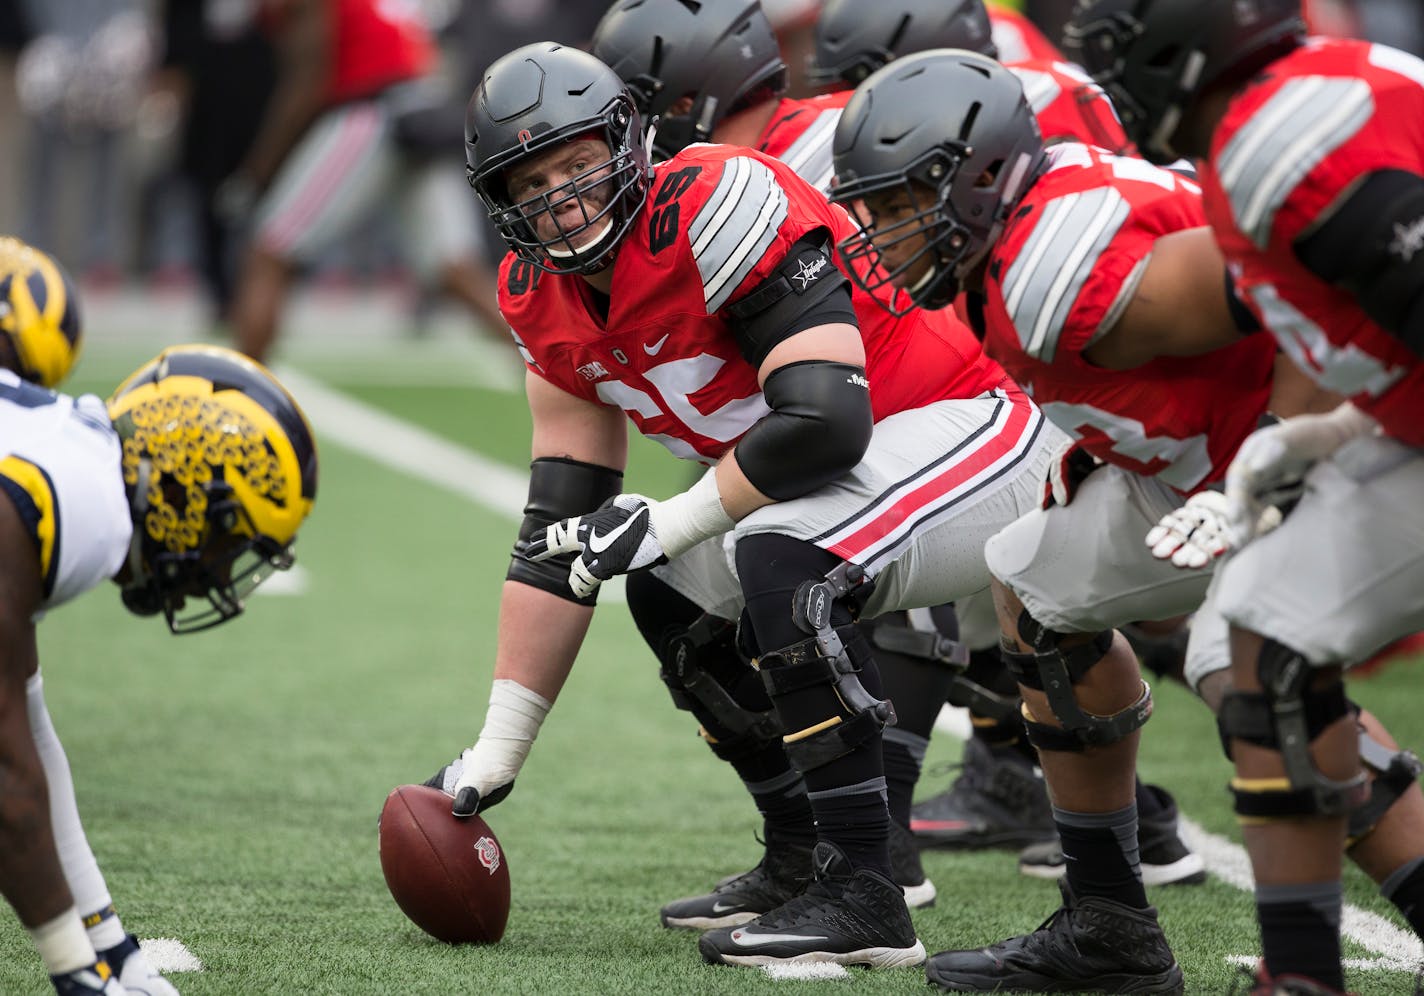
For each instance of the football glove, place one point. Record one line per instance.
(1193, 535)
(1067, 468)
(616, 538)
(1269, 470)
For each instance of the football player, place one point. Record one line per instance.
(700, 299)
(345, 130)
(688, 68)
(1313, 180)
(998, 797)
(187, 490)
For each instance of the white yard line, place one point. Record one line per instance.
(417, 452)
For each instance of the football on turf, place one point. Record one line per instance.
(448, 875)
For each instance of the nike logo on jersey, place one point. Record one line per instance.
(808, 270)
(652, 350)
(598, 543)
(742, 939)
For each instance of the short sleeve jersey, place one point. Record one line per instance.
(1291, 146)
(717, 222)
(1069, 106)
(1066, 266)
(59, 468)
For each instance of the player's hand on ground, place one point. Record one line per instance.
(1195, 534)
(617, 538)
(1067, 468)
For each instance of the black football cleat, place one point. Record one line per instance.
(1088, 945)
(845, 917)
(998, 800)
(783, 873)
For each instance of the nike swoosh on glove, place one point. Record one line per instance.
(617, 538)
(1195, 534)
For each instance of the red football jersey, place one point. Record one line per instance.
(1291, 145)
(1069, 106)
(1066, 265)
(800, 133)
(378, 42)
(719, 219)
(1019, 39)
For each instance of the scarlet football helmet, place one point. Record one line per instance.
(220, 468)
(39, 314)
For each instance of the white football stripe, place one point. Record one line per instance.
(418, 453)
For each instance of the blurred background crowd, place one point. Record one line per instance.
(122, 121)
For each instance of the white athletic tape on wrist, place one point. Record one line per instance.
(511, 723)
(685, 520)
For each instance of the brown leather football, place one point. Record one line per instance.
(448, 875)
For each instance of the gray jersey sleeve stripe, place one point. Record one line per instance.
(1044, 291)
(747, 254)
(1030, 257)
(1041, 89)
(1302, 124)
(742, 225)
(717, 206)
(810, 154)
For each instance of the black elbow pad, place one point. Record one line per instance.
(558, 489)
(818, 429)
(1372, 245)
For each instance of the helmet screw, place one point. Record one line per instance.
(937, 171)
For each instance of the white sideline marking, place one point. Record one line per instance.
(417, 453)
(1398, 950)
(167, 954)
(807, 971)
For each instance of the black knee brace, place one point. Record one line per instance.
(1395, 771)
(1286, 716)
(688, 663)
(827, 666)
(1054, 671)
(901, 635)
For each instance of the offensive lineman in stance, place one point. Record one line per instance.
(700, 297)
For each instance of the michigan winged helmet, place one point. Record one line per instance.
(220, 468)
(39, 314)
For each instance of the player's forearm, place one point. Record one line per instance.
(539, 638)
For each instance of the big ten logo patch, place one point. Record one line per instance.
(663, 219)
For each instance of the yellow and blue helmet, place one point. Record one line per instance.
(39, 314)
(220, 467)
